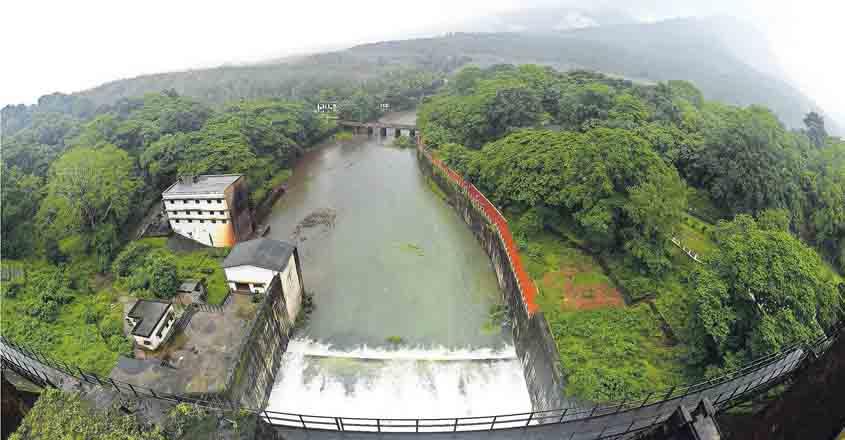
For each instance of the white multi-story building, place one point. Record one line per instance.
(251, 265)
(152, 322)
(210, 209)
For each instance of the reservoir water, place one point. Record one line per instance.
(403, 294)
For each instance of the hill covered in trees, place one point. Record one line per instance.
(733, 70)
(599, 177)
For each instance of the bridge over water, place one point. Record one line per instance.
(381, 128)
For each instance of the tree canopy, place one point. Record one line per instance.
(763, 291)
(607, 181)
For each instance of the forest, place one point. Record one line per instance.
(600, 177)
(78, 178)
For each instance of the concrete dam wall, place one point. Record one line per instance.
(251, 378)
(533, 341)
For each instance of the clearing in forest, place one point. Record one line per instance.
(568, 278)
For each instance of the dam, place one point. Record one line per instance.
(405, 320)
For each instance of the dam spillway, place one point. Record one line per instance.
(403, 294)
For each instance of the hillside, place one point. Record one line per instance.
(708, 52)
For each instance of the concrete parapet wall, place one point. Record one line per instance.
(251, 379)
(533, 341)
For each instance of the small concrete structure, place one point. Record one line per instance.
(210, 209)
(152, 322)
(251, 265)
(327, 107)
(192, 292)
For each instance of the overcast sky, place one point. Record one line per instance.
(69, 46)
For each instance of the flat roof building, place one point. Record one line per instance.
(152, 322)
(210, 209)
(251, 265)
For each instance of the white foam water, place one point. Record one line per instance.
(309, 347)
(413, 383)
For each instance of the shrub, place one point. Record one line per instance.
(163, 275)
(109, 327)
(131, 257)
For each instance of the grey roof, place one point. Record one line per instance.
(188, 286)
(206, 184)
(149, 312)
(261, 252)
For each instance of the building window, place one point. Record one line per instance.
(214, 221)
(196, 201)
(241, 286)
(225, 221)
(147, 342)
(219, 200)
(208, 201)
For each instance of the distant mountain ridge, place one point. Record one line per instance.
(691, 49)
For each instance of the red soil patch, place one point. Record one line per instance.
(584, 296)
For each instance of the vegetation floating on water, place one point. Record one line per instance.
(413, 248)
(395, 340)
(325, 217)
(404, 142)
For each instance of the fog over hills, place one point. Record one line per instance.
(727, 59)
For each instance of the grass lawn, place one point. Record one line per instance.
(608, 351)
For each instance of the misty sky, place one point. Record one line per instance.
(71, 46)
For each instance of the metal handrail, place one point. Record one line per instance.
(499, 421)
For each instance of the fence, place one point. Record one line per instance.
(609, 420)
(492, 214)
(601, 421)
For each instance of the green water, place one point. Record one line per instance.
(398, 262)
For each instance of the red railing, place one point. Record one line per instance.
(526, 286)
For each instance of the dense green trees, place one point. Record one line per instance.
(86, 188)
(608, 182)
(69, 415)
(89, 192)
(763, 291)
(748, 162)
(489, 107)
(59, 415)
(20, 194)
(88, 180)
(743, 159)
(824, 207)
(607, 166)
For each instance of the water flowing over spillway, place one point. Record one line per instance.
(401, 383)
(403, 293)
